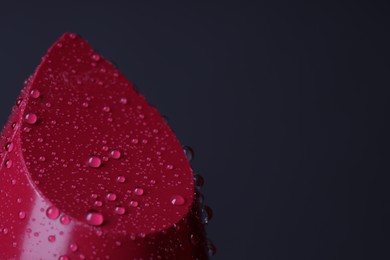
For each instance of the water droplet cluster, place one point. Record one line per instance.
(102, 157)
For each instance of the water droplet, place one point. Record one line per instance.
(96, 57)
(31, 118)
(42, 158)
(52, 212)
(35, 93)
(94, 162)
(63, 257)
(199, 197)
(138, 191)
(189, 152)
(115, 154)
(211, 249)
(8, 164)
(177, 200)
(134, 141)
(133, 203)
(73, 247)
(19, 101)
(120, 210)
(99, 233)
(198, 180)
(169, 166)
(207, 214)
(51, 238)
(194, 239)
(111, 196)
(98, 203)
(65, 219)
(106, 109)
(94, 218)
(22, 214)
(123, 101)
(72, 36)
(121, 179)
(85, 104)
(9, 147)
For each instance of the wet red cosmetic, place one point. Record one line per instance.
(89, 170)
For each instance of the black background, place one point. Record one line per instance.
(285, 103)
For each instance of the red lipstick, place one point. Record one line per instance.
(90, 170)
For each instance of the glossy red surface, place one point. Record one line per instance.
(89, 170)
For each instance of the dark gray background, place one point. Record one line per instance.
(285, 103)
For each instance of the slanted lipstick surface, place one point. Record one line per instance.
(89, 170)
